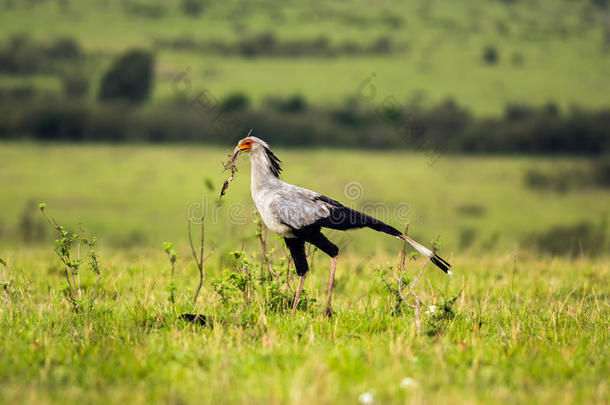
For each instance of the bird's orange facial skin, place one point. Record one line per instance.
(245, 145)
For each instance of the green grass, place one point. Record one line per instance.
(560, 44)
(527, 329)
(537, 334)
(143, 194)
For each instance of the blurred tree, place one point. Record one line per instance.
(235, 102)
(604, 8)
(601, 171)
(130, 78)
(75, 86)
(64, 48)
(293, 104)
(193, 8)
(490, 55)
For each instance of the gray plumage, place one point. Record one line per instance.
(287, 209)
(282, 206)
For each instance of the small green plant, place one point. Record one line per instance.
(240, 276)
(168, 247)
(72, 265)
(258, 282)
(4, 284)
(390, 283)
(438, 314)
(235, 279)
(94, 261)
(400, 286)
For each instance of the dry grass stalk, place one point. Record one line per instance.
(417, 306)
(199, 259)
(264, 251)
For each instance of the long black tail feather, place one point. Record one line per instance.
(344, 218)
(440, 263)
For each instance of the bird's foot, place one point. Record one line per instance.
(295, 305)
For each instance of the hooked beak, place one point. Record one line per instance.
(238, 150)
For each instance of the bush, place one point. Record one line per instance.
(64, 48)
(193, 8)
(268, 44)
(560, 180)
(130, 78)
(22, 55)
(19, 93)
(292, 104)
(572, 240)
(258, 45)
(75, 86)
(382, 46)
(601, 171)
(235, 102)
(448, 127)
(490, 55)
(143, 9)
(518, 112)
(467, 237)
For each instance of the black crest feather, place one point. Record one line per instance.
(274, 162)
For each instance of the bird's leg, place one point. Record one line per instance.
(333, 266)
(297, 297)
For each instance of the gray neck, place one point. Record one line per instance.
(261, 171)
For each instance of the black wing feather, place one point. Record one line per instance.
(274, 162)
(343, 218)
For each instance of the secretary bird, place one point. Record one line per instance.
(299, 214)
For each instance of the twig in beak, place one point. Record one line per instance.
(232, 165)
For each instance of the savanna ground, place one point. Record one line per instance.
(526, 325)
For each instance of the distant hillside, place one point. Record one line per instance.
(482, 54)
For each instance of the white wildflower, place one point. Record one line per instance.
(431, 310)
(366, 398)
(407, 383)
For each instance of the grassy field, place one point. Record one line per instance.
(143, 195)
(547, 51)
(526, 327)
(534, 334)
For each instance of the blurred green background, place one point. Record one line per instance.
(490, 119)
(483, 54)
